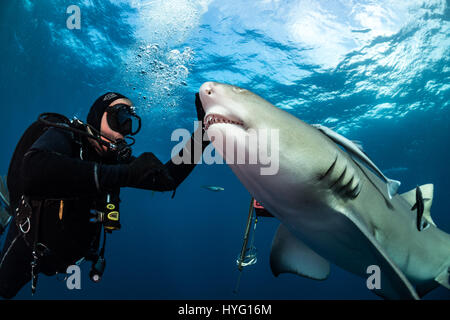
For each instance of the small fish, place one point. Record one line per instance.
(213, 188)
(420, 208)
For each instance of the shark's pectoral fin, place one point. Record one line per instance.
(290, 255)
(444, 278)
(427, 194)
(394, 284)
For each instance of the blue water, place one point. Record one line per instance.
(376, 71)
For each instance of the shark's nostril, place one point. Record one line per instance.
(207, 89)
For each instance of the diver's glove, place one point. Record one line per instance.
(201, 118)
(147, 172)
(199, 108)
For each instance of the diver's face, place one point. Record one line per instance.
(106, 130)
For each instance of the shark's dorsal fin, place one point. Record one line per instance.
(427, 193)
(290, 255)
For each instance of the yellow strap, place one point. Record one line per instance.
(61, 209)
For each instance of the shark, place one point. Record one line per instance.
(213, 188)
(332, 207)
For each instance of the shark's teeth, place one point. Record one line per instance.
(217, 118)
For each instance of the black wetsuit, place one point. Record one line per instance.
(61, 166)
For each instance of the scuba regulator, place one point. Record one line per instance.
(117, 150)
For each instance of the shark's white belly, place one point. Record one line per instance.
(329, 234)
(333, 236)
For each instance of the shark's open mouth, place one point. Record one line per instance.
(211, 119)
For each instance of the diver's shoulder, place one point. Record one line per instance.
(59, 133)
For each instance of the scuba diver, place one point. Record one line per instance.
(64, 181)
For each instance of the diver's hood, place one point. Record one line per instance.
(97, 110)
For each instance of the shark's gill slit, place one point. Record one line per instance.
(347, 185)
(330, 169)
(341, 177)
(355, 191)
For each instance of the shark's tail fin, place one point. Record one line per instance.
(392, 186)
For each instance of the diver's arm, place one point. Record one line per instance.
(49, 169)
(149, 173)
(182, 164)
(49, 174)
(179, 172)
(177, 167)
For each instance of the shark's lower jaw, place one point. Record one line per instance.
(211, 119)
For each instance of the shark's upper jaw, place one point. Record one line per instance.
(213, 118)
(218, 110)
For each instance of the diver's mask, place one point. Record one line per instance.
(122, 118)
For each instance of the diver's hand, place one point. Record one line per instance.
(199, 108)
(201, 118)
(147, 172)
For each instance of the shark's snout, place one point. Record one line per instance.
(216, 103)
(207, 87)
(207, 94)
